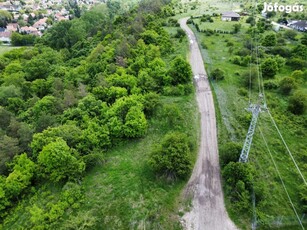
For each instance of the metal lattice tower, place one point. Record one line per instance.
(255, 109)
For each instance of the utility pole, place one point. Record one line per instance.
(255, 109)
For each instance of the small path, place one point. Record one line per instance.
(204, 187)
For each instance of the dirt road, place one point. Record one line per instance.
(204, 187)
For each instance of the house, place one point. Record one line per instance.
(5, 36)
(40, 24)
(230, 16)
(60, 17)
(300, 25)
(9, 7)
(30, 30)
(25, 17)
(12, 27)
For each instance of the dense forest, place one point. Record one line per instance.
(86, 86)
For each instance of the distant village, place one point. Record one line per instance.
(35, 16)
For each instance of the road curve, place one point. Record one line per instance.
(204, 187)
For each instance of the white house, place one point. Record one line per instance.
(230, 16)
(5, 36)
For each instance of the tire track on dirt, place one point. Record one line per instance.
(204, 187)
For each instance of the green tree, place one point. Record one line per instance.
(230, 152)
(269, 68)
(118, 112)
(180, 71)
(287, 85)
(269, 40)
(150, 36)
(151, 103)
(290, 34)
(303, 196)
(37, 67)
(8, 149)
(135, 123)
(217, 74)
(22, 39)
(172, 157)
(46, 105)
(13, 67)
(5, 118)
(236, 171)
(68, 132)
(299, 51)
(298, 103)
(58, 162)
(122, 80)
(7, 92)
(57, 36)
(304, 39)
(238, 179)
(251, 20)
(21, 176)
(249, 78)
(4, 198)
(236, 28)
(94, 138)
(5, 17)
(299, 76)
(76, 32)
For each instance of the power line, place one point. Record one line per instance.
(279, 175)
(298, 169)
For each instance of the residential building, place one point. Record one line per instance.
(300, 25)
(230, 16)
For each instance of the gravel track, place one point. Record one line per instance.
(204, 187)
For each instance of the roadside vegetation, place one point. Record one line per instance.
(95, 119)
(229, 55)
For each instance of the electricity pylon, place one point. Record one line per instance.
(255, 109)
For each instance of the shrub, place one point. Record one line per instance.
(303, 196)
(238, 178)
(180, 71)
(242, 92)
(296, 63)
(270, 84)
(57, 162)
(290, 34)
(298, 103)
(236, 28)
(269, 68)
(249, 78)
(230, 152)
(172, 157)
(286, 85)
(236, 60)
(180, 33)
(203, 45)
(229, 43)
(269, 40)
(217, 74)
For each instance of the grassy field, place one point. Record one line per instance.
(4, 49)
(233, 125)
(199, 7)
